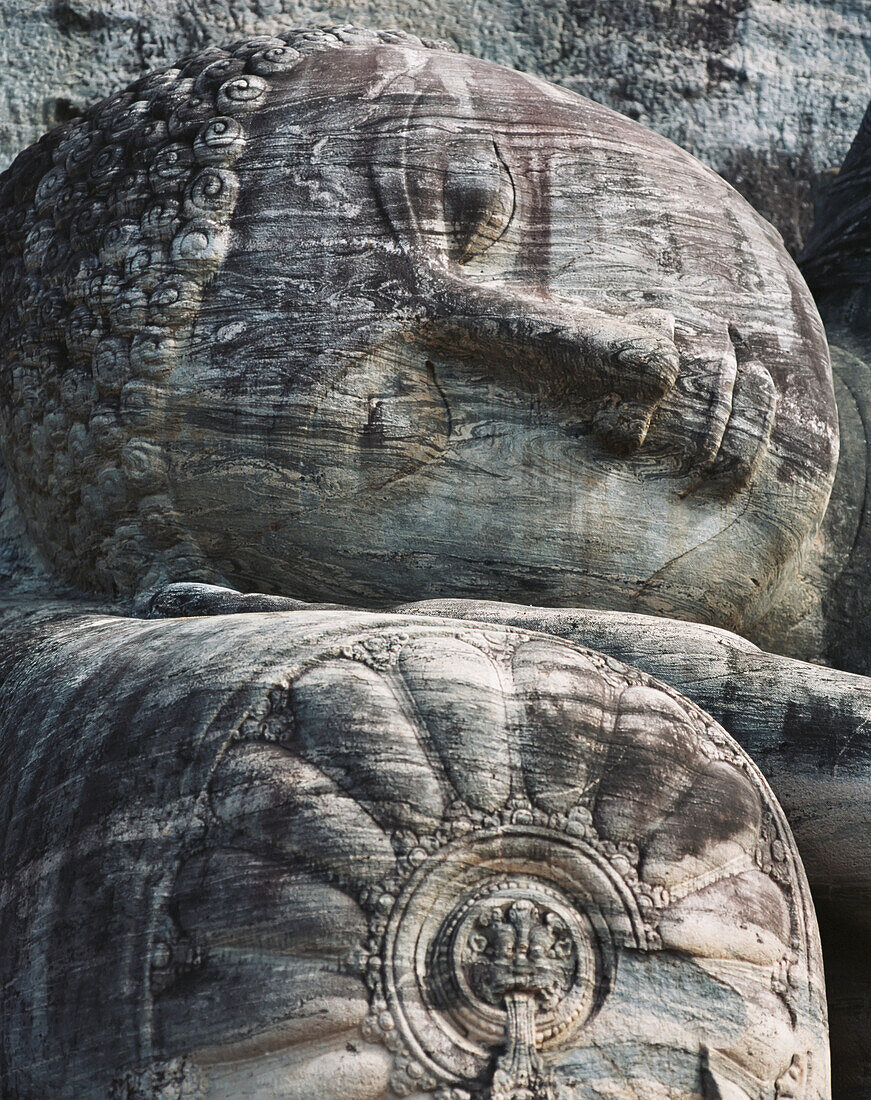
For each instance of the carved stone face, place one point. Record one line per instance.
(338, 316)
(478, 336)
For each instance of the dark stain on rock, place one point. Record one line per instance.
(64, 110)
(780, 187)
(715, 25)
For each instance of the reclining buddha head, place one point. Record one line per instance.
(342, 316)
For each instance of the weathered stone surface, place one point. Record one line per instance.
(826, 614)
(805, 725)
(767, 92)
(340, 317)
(837, 257)
(231, 843)
(808, 729)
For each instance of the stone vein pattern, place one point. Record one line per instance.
(416, 300)
(835, 262)
(806, 726)
(112, 225)
(261, 862)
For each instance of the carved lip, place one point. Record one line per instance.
(739, 435)
(747, 435)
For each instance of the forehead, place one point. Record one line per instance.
(410, 84)
(616, 195)
(603, 206)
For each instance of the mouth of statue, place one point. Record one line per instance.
(746, 436)
(716, 445)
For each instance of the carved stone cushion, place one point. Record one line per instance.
(339, 316)
(351, 855)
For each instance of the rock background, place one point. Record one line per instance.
(768, 92)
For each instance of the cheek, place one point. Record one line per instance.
(386, 419)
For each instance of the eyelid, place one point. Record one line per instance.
(479, 205)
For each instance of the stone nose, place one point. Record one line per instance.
(619, 370)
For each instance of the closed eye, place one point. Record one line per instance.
(479, 200)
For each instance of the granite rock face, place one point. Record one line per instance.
(348, 855)
(767, 92)
(826, 616)
(837, 257)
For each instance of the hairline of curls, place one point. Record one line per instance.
(111, 226)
